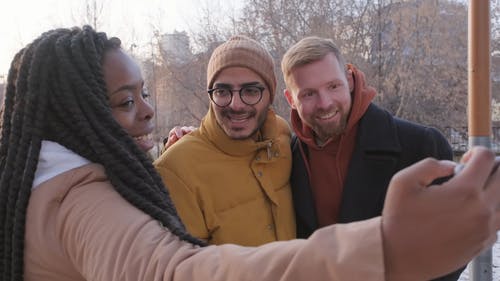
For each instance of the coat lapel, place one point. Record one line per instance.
(372, 165)
(303, 201)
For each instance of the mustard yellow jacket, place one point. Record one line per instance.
(232, 191)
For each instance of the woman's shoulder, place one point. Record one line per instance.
(60, 185)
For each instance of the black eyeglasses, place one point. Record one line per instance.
(249, 95)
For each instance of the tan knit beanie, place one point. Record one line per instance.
(244, 52)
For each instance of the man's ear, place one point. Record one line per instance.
(289, 98)
(350, 79)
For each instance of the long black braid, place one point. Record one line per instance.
(56, 91)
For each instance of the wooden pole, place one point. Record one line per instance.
(479, 103)
(479, 68)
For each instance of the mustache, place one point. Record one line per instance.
(229, 111)
(328, 110)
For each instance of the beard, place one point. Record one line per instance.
(245, 132)
(330, 130)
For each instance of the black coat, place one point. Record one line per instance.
(384, 145)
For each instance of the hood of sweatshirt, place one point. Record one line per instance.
(55, 159)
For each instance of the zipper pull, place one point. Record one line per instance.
(269, 154)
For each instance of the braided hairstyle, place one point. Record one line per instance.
(56, 91)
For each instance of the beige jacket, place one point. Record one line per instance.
(79, 228)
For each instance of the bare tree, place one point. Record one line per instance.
(414, 52)
(424, 78)
(90, 12)
(175, 77)
(181, 72)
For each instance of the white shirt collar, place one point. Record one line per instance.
(55, 159)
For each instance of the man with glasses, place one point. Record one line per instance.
(229, 179)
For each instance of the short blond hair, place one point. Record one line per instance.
(306, 51)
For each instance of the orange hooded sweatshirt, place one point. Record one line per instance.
(327, 164)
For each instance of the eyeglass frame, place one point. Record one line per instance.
(240, 90)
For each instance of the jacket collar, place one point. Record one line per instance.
(374, 161)
(210, 128)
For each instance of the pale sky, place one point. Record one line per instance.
(21, 21)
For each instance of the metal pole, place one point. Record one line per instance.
(479, 103)
(155, 95)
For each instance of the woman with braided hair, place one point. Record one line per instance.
(80, 200)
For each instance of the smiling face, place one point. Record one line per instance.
(239, 120)
(128, 100)
(320, 93)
